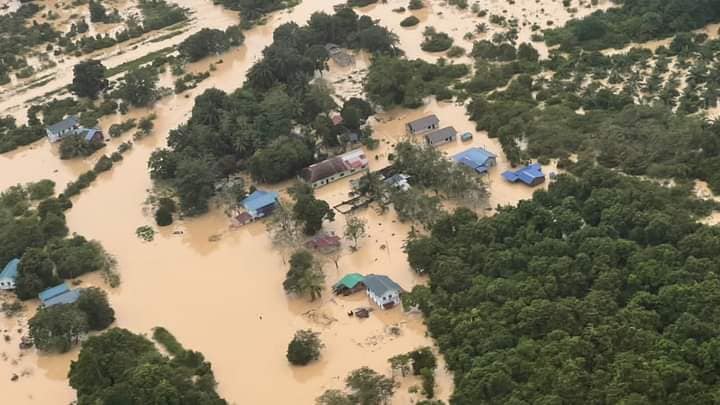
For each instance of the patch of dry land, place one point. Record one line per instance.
(220, 290)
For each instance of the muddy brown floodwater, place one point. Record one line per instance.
(225, 298)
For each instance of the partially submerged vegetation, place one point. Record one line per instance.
(595, 256)
(116, 366)
(253, 125)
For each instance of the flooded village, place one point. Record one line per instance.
(216, 280)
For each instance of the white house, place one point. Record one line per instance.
(9, 274)
(56, 132)
(382, 290)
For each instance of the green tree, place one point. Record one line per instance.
(355, 230)
(139, 86)
(89, 78)
(280, 161)
(97, 11)
(305, 276)
(368, 387)
(310, 211)
(35, 273)
(58, 328)
(203, 43)
(41, 190)
(94, 303)
(304, 347)
(194, 184)
(163, 217)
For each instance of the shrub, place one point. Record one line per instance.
(410, 21)
(304, 347)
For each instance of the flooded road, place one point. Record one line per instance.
(225, 298)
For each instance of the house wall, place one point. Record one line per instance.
(410, 131)
(336, 177)
(389, 297)
(442, 141)
(7, 284)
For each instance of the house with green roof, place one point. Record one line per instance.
(349, 284)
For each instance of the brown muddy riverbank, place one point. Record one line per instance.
(225, 298)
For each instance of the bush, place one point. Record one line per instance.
(163, 217)
(415, 5)
(456, 52)
(435, 41)
(410, 21)
(41, 190)
(304, 347)
(103, 165)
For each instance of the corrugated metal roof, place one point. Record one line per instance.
(338, 164)
(68, 297)
(10, 270)
(475, 158)
(350, 280)
(53, 292)
(259, 199)
(441, 135)
(423, 123)
(527, 174)
(380, 284)
(67, 123)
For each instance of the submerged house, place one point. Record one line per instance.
(441, 137)
(339, 55)
(260, 203)
(531, 175)
(335, 168)
(9, 274)
(382, 290)
(59, 130)
(350, 283)
(422, 125)
(92, 135)
(478, 159)
(71, 126)
(398, 181)
(60, 294)
(323, 242)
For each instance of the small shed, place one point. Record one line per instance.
(530, 175)
(422, 125)
(58, 130)
(260, 203)
(9, 274)
(441, 136)
(382, 290)
(349, 284)
(478, 159)
(60, 294)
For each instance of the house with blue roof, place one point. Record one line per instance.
(478, 159)
(260, 203)
(9, 274)
(60, 294)
(531, 175)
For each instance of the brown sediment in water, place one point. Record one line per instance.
(224, 297)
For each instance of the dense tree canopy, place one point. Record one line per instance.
(209, 41)
(535, 304)
(251, 127)
(89, 78)
(119, 367)
(635, 20)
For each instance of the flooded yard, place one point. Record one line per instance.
(224, 297)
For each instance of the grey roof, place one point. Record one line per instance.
(423, 123)
(68, 123)
(441, 134)
(379, 284)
